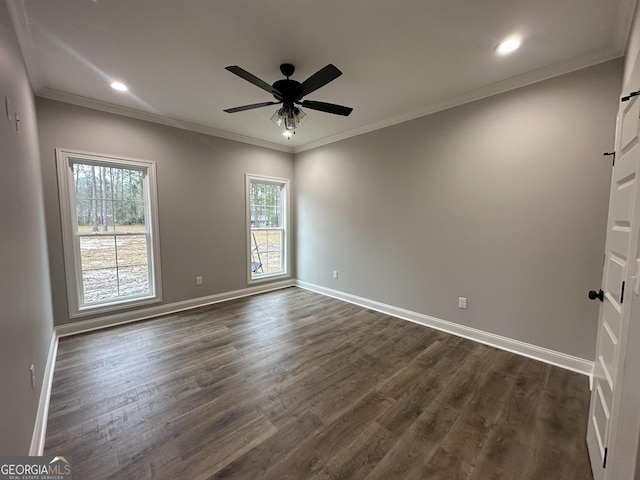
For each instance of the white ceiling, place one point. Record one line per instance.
(400, 59)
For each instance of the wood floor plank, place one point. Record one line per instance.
(312, 455)
(510, 446)
(462, 447)
(417, 445)
(560, 406)
(292, 384)
(280, 447)
(360, 456)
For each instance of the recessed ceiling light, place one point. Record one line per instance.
(121, 87)
(508, 46)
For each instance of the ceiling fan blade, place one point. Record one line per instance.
(327, 107)
(249, 107)
(249, 77)
(319, 79)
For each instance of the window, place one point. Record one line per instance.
(109, 220)
(267, 219)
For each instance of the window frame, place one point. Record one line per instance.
(286, 222)
(70, 239)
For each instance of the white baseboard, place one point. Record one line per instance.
(559, 359)
(40, 428)
(165, 309)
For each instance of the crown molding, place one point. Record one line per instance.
(81, 101)
(571, 65)
(20, 21)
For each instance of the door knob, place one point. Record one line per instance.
(599, 295)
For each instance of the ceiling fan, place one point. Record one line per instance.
(289, 93)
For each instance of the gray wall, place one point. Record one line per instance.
(26, 323)
(503, 201)
(201, 195)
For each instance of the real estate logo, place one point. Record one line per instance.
(35, 468)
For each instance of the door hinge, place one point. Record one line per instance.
(604, 462)
(622, 293)
(611, 154)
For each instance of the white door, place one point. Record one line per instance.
(620, 264)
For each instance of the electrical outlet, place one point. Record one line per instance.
(335, 274)
(198, 280)
(32, 372)
(462, 302)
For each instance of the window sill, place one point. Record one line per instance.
(267, 277)
(129, 304)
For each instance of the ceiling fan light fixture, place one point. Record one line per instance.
(289, 117)
(300, 116)
(277, 117)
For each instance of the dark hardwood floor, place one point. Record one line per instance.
(295, 385)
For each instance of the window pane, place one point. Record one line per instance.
(132, 250)
(133, 280)
(265, 204)
(98, 264)
(108, 198)
(272, 246)
(100, 285)
(114, 266)
(133, 270)
(97, 252)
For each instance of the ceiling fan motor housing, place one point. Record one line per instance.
(289, 89)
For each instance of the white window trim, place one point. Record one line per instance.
(71, 248)
(286, 258)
